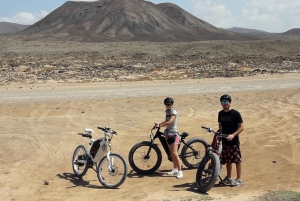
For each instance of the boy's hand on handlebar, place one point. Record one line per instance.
(230, 137)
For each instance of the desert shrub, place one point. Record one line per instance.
(278, 196)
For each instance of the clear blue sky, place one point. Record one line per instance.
(268, 15)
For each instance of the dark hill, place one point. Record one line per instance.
(125, 20)
(245, 30)
(8, 27)
(295, 31)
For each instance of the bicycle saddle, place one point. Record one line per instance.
(184, 134)
(88, 130)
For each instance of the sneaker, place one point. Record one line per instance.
(227, 181)
(237, 182)
(174, 171)
(179, 174)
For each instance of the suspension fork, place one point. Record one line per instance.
(149, 150)
(110, 161)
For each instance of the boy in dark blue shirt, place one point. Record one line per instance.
(231, 123)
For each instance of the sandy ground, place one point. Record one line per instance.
(38, 137)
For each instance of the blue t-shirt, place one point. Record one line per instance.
(229, 121)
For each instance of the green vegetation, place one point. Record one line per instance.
(278, 196)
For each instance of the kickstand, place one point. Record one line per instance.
(221, 181)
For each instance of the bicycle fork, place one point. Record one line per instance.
(147, 156)
(110, 161)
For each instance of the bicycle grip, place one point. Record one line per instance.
(205, 127)
(101, 128)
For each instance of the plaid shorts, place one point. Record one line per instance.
(231, 154)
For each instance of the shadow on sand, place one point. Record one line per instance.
(77, 181)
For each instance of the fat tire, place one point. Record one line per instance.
(75, 166)
(103, 179)
(202, 172)
(219, 154)
(133, 164)
(196, 157)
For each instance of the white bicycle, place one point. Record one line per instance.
(111, 168)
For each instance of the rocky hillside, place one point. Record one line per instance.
(295, 31)
(124, 20)
(8, 27)
(245, 30)
(37, 61)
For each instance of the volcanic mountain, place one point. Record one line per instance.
(295, 31)
(245, 30)
(8, 27)
(125, 20)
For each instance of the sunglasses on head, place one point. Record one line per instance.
(225, 101)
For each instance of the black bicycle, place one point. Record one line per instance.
(210, 167)
(145, 157)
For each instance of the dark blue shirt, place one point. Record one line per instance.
(229, 121)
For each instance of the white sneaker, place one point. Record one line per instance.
(174, 171)
(179, 174)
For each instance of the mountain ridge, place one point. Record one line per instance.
(293, 32)
(245, 30)
(126, 20)
(9, 27)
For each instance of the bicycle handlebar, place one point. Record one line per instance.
(109, 130)
(208, 129)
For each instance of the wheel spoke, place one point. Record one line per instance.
(112, 172)
(193, 152)
(80, 161)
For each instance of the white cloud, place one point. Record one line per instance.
(214, 12)
(273, 15)
(25, 18)
(268, 15)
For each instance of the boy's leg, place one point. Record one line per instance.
(238, 170)
(228, 169)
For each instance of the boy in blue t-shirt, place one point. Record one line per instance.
(231, 123)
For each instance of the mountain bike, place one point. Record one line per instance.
(146, 157)
(111, 168)
(210, 168)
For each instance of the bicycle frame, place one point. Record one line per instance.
(110, 167)
(216, 145)
(161, 137)
(99, 147)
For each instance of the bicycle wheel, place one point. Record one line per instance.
(193, 152)
(208, 172)
(113, 172)
(140, 162)
(220, 151)
(80, 161)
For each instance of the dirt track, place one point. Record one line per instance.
(70, 92)
(39, 134)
